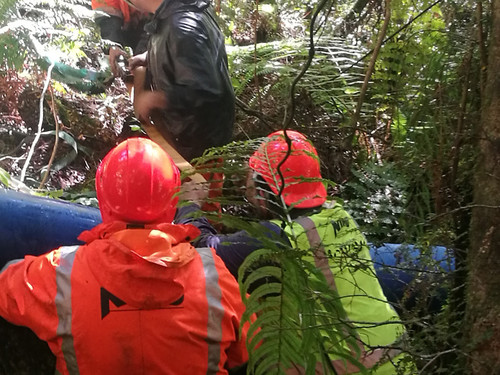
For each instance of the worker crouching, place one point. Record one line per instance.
(136, 298)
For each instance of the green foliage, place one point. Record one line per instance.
(414, 115)
(8, 44)
(332, 81)
(245, 22)
(300, 321)
(376, 199)
(269, 60)
(62, 35)
(4, 177)
(33, 30)
(85, 198)
(12, 183)
(6, 7)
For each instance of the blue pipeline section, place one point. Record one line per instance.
(35, 225)
(406, 272)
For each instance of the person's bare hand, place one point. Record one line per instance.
(114, 53)
(137, 60)
(147, 102)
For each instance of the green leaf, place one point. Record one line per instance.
(66, 159)
(5, 178)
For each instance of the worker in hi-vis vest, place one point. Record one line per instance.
(137, 297)
(329, 237)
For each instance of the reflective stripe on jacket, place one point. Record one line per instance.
(341, 253)
(130, 301)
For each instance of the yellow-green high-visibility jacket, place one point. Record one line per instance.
(339, 250)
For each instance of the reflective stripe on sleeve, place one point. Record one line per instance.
(368, 358)
(215, 309)
(63, 306)
(320, 255)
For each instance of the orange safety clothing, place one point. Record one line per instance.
(121, 24)
(118, 8)
(130, 301)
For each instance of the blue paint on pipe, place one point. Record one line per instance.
(35, 225)
(398, 267)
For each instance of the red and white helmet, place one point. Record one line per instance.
(136, 182)
(300, 166)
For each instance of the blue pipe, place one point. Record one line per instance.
(398, 267)
(35, 225)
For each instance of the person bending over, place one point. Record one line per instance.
(328, 237)
(137, 297)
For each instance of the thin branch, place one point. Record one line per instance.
(289, 115)
(470, 206)
(40, 121)
(56, 141)
(435, 357)
(371, 66)
(482, 49)
(252, 112)
(312, 51)
(255, 75)
(455, 150)
(406, 25)
(321, 25)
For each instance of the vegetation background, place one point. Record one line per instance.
(400, 97)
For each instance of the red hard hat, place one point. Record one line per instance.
(302, 163)
(136, 183)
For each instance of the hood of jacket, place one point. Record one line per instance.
(144, 267)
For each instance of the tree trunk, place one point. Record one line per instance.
(483, 296)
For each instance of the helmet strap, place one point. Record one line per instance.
(135, 226)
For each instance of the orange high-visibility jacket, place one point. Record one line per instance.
(130, 301)
(118, 8)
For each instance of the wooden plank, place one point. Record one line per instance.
(134, 91)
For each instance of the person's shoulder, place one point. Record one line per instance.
(332, 205)
(186, 21)
(333, 209)
(178, 27)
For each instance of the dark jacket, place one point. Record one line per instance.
(187, 61)
(233, 248)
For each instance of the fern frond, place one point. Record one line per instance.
(300, 320)
(5, 7)
(335, 72)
